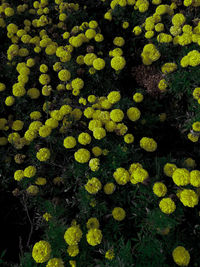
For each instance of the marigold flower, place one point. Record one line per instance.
(167, 205)
(41, 251)
(73, 235)
(181, 256)
(118, 214)
(94, 237)
(55, 262)
(93, 185)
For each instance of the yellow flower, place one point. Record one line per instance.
(90, 33)
(181, 176)
(29, 171)
(41, 181)
(92, 223)
(119, 41)
(73, 250)
(47, 216)
(73, 235)
(43, 154)
(159, 189)
(138, 97)
(99, 133)
(195, 178)
(113, 97)
(128, 138)
(84, 138)
(41, 251)
(55, 262)
(109, 188)
(94, 237)
(181, 256)
(97, 151)
(138, 175)
(18, 175)
(137, 30)
(17, 125)
(93, 185)
(118, 63)
(167, 205)
(94, 164)
(178, 19)
(121, 176)
(133, 113)
(190, 163)
(169, 169)
(110, 254)
(189, 198)
(148, 144)
(117, 115)
(118, 214)
(98, 64)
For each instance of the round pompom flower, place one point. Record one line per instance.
(118, 63)
(41, 181)
(89, 58)
(41, 251)
(55, 262)
(43, 154)
(118, 213)
(18, 175)
(97, 151)
(169, 169)
(195, 178)
(119, 41)
(9, 101)
(69, 142)
(82, 155)
(181, 256)
(94, 164)
(17, 125)
(138, 97)
(148, 144)
(128, 138)
(139, 175)
(77, 84)
(94, 237)
(73, 250)
(121, 176)
(99, 64)
(90, 33)
(133, 114)
(84, 138)
(93, 185)
(189, 198)
(45, 131)
(110, 254)
(113, 97)
(159, 189)
(51, 122)
(92, 223)
(167, 205)
(117, 115)
(73, 235)
(181, 176)
(64, 75)
(178, 19)
(32, 190)
(44, 79)
(35, 115)
(29, 171)
(99, 133)
(109, 188)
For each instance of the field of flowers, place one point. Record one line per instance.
(99, 133)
